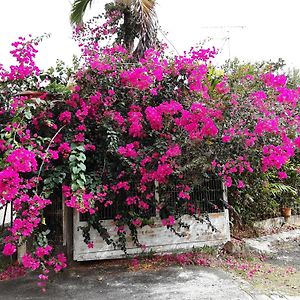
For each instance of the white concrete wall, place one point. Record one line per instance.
(157, 238)
(7, 217)
(277, 222)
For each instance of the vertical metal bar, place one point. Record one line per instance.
(5, 211)
(156, 191)
(225, 199)
(11, 214)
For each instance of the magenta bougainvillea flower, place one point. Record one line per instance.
(119, 132)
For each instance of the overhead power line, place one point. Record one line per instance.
(228, 33)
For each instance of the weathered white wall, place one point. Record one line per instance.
(7, 217)
(277, 222)
(157, 238)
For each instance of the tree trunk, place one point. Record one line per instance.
(129, 34)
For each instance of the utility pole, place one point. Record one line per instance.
(228, 32)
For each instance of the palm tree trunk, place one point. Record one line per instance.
(128, 31)
(139, 22)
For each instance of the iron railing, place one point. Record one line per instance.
(54, 218)
(109, 212)
(208, 196)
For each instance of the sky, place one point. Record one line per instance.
(251, 30)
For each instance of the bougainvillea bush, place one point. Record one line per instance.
(263, 193)
(121, 129)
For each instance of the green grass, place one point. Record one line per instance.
(210, 250)
(4, 262)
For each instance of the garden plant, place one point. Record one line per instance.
(116, 119)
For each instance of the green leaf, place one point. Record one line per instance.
(57, 180)
(47, 181)
(75, 170)
(28, 114)
(82, 166)
(80, 148)
(78, 9)
(80, 183)
(81, 157)
(72, 158)
(62, 175)
(82, 176)
(31, 105)
(74, 187)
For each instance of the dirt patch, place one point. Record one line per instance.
(251, 232)
(281, 280)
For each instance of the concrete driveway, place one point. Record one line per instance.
(92, 282)
(171, 283)
(115, 281)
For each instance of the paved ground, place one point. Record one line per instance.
(287, 254)
(92, 281)
(271, 244)
(282, 248)
(176, 283)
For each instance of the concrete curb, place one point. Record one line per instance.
(278, 222)
(266, 244)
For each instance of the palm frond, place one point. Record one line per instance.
(278, 188)
(144, 10)
(78, 9)
(124, 2)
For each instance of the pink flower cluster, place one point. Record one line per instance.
(170, 221)
(135, 120)
(146, 123)
(22, 160)
(136, 78)
(24, 52)
(276, 156)
(129, 150)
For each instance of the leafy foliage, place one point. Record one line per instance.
(139, 21)
(125, 131)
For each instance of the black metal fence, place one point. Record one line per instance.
(108, 212)
(207, 196)
(54, 218)
(296, 209)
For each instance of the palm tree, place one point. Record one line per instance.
(139, 22)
